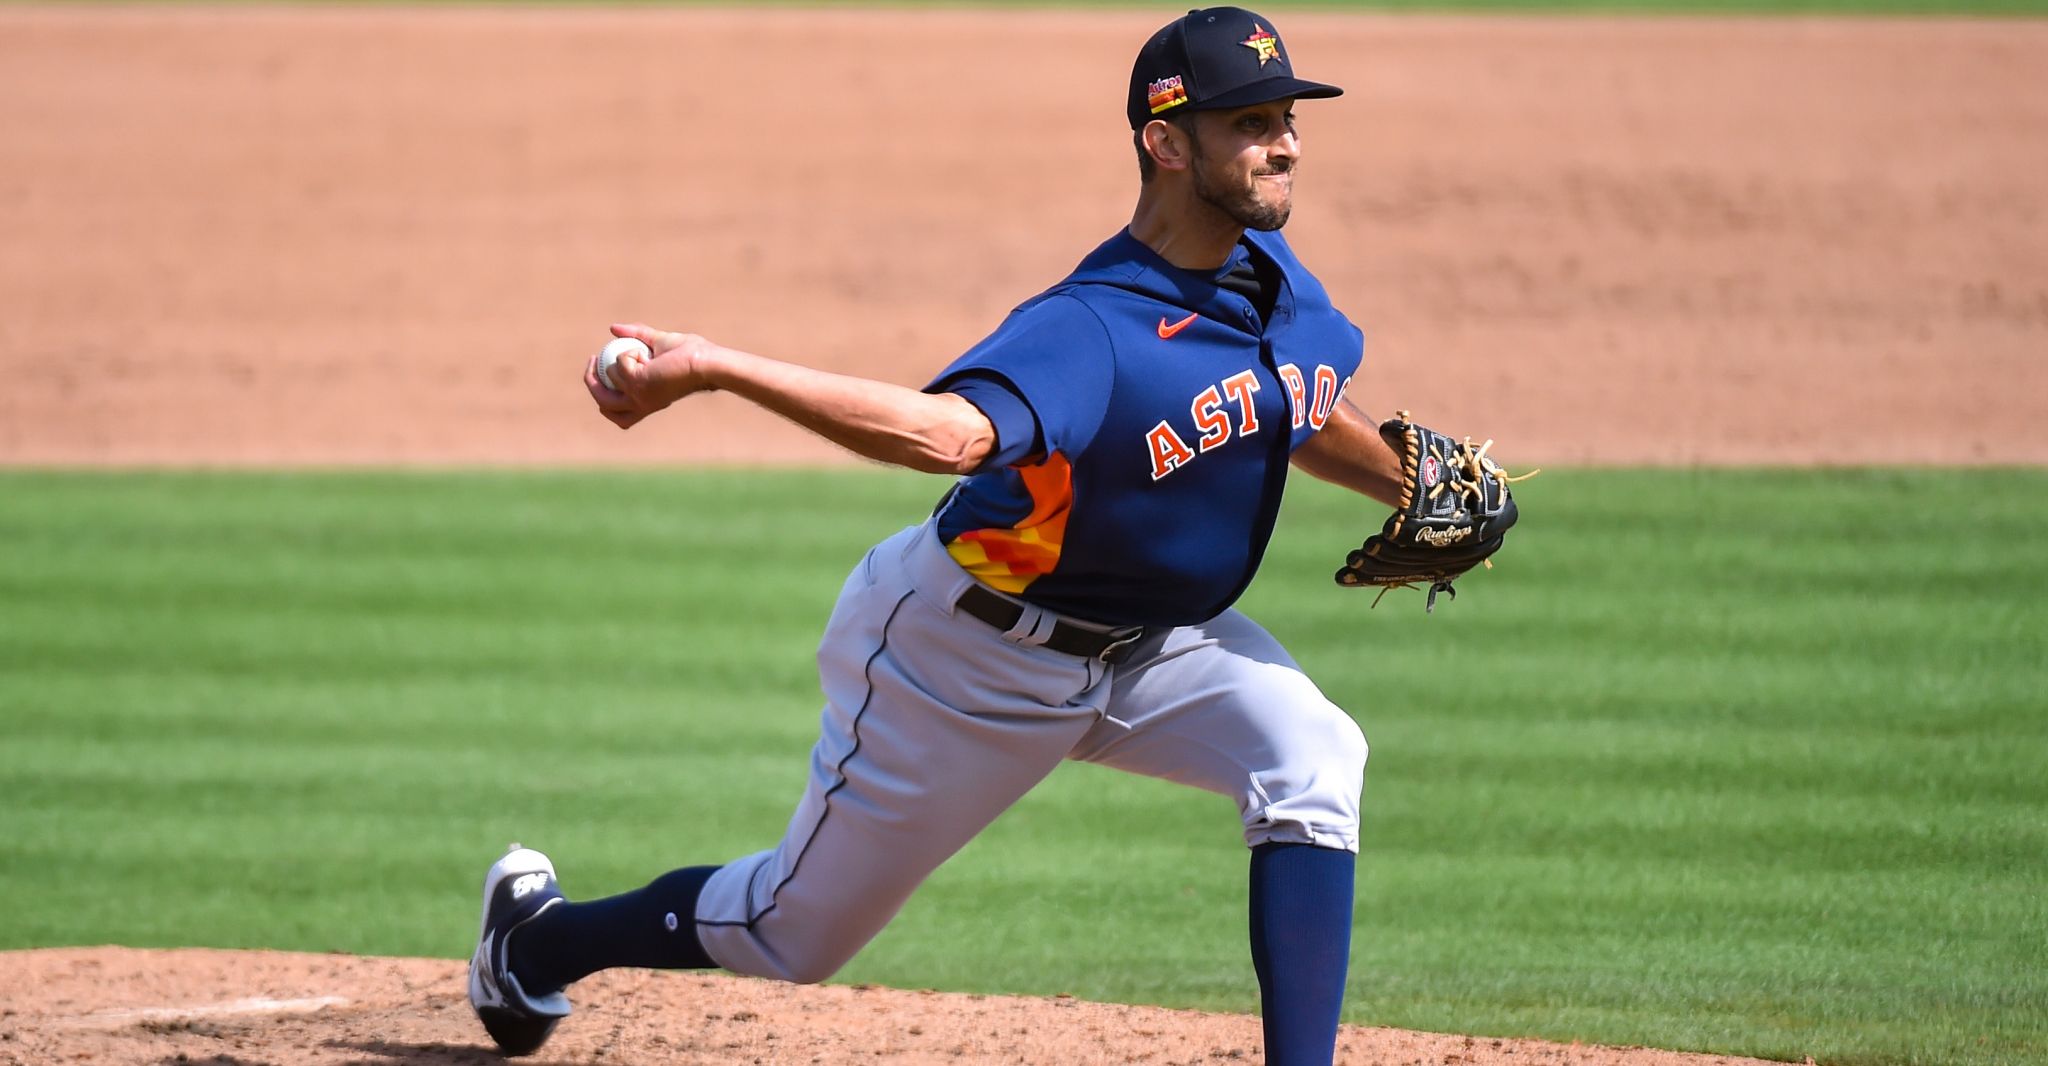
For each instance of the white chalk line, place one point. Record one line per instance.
(252, 1005)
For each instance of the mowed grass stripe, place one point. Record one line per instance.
(1735, 761)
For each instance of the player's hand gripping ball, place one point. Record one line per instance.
(1455, 511)
(616, 350)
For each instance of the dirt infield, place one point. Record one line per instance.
(332, 235)
(116, 1005)
(314, 235)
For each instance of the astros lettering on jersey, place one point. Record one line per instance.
(1165, 409)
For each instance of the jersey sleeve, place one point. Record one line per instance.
(1017, 435)
(1055, 355)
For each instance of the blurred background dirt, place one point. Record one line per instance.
(307, 235)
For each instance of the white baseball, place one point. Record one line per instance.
(612, 353)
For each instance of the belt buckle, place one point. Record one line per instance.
(1117, 650)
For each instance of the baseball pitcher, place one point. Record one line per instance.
(1121, 442)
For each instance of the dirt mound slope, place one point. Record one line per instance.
(333, 234)
(125, 1007)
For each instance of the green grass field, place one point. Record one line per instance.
(1747, 762)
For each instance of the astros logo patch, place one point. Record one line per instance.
(1264, 43)
(1166, 93)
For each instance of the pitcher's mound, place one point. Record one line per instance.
(262, 1008)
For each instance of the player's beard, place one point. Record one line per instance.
(1242, 202)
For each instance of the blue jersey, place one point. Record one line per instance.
(1162, 409)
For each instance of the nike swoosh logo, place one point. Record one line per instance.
(1166, 332)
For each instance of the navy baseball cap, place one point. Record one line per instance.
(1216, 57)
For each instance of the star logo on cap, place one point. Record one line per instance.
(1263, 42)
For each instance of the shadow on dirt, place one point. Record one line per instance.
(210, 1060)
(399, 1053)
(382, 1053)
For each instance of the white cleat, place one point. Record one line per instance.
(519, 888)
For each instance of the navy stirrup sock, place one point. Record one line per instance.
(653, 927)
(1301, 947)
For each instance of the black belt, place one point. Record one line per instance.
(1066, 638)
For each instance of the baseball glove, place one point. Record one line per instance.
(1455, 510)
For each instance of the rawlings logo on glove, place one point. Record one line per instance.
(1454, 513)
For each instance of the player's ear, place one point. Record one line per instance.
(1168, 145)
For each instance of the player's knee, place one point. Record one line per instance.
(1335, 750)
(811, 964)
(812, 960)
(1311, 795)
(1344, 767)
(813, 971)
(1349, 744)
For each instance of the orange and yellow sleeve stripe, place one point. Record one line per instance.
(1009, 560)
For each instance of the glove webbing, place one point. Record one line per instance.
(1465, 473)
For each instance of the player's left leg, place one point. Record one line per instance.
(1221, 706)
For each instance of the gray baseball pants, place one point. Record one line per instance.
(936, 722)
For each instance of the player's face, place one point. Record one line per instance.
(1243, 163)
